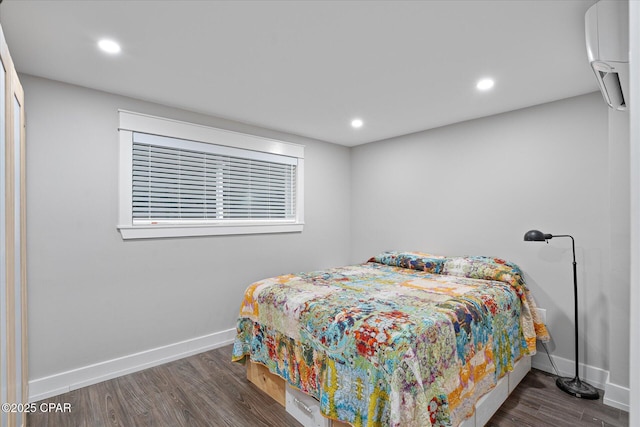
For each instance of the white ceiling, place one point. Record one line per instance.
(309, 67)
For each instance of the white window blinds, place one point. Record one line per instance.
(180, 179)
(176, 181)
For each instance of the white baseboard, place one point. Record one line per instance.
(53, 385)
(567, 368)
(614, 395)
(617, 396)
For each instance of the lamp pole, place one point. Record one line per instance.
(575, 298)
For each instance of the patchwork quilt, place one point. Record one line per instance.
(406, 339)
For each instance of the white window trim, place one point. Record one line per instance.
(131, 122)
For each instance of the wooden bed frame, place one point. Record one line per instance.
(276, 388)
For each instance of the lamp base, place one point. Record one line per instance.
(577, 387)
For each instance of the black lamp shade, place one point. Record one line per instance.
(536, 236)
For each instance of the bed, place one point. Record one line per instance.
(405, 339)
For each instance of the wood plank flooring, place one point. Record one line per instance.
(538, 402)
(208, 390)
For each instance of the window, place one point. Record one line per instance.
(181, 179)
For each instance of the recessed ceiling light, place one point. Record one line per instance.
(485, 84)
(356, 123)
(109, 46)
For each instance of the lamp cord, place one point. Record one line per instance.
(555, 368)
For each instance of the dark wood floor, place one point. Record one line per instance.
(208, 390)
(538, 402)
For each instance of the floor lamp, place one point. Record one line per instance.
(574, 386)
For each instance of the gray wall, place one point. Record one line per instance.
(93, 296)
(617, 283)
(476, 188)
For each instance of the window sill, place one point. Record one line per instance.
(168, 231)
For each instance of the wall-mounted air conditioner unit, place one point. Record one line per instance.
(607, 34)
